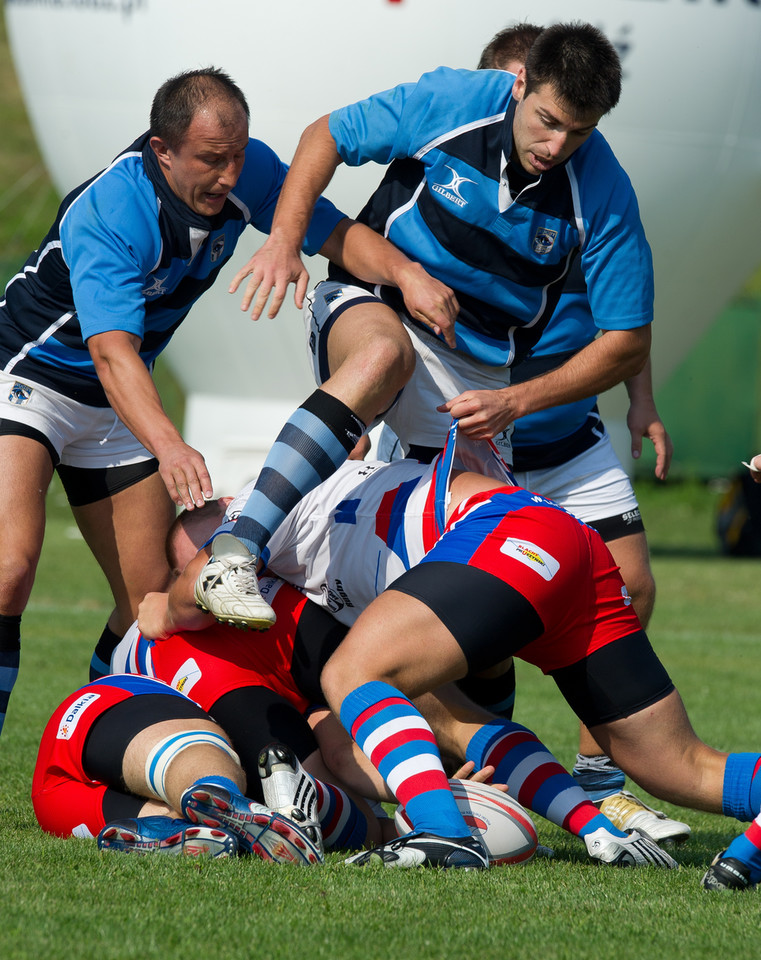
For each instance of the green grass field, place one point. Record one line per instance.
(63, 899)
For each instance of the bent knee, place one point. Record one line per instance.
(17, 572)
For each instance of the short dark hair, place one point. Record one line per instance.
(580, 63)
(178, 99)
(512, 43)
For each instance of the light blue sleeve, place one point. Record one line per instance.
(616, 258)
(259, 186)
(110, 242)
(408, 118)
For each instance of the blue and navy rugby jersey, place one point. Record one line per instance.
(125, 253)
(553, 436)
(445, 203)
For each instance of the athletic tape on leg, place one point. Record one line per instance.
(167, 749)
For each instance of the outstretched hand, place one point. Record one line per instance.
(468, 772)
(270, 271)
(183, 470)
(430, 302)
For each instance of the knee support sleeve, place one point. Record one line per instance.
(170, 747)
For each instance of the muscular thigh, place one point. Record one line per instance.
(27, 469)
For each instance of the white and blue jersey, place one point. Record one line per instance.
(125, 253)
(445, 201)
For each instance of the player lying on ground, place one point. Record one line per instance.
(264, 692)
(144, 768)
(573, 812)
(259, 689)
(503, 572)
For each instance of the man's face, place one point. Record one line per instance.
(206, 165)
(544, 134)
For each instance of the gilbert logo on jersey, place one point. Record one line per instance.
(451, 191)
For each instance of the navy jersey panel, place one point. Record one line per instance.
(125, 253)
(447, 138)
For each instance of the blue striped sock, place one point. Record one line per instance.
(343, 825)
(314, 442)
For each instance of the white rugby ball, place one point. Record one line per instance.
(506, 829)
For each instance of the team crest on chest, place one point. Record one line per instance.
(544, 240)
(217, 248)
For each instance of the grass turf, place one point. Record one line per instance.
(62, 898)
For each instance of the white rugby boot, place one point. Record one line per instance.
(228, 587)
(631, 851)
(628, 812)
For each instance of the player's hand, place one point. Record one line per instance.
(755, 468)
(153, 616)
(643, 421)
(270, 271)
(429, 301)
(468, 772)
(482, 414)
(183, 470)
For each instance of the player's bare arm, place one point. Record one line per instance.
(278, 263)
(162, 614)
(369, 256)
(614, 356)
(132, 394)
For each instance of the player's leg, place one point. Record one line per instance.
(602, 779)
(642, 723)
(84, 777)
(274, 740)
(658, 748)
(172, 751)
(27, 469)
(126, 532)
(398, 647)
(533, 775)
(366, 358)
(399, 644)
(595, 487)
(309, 790)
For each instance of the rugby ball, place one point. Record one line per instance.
(505, 828)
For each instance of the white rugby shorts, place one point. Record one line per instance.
(82, 436)
(592, 486)
(440, 372)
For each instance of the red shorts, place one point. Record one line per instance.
(66, 801)
(558, 565)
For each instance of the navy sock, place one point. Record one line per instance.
(100, 665)
(10, 655)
